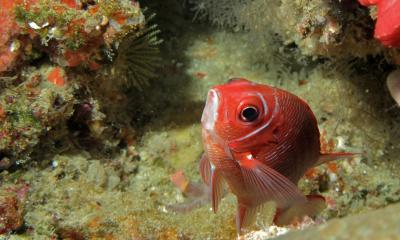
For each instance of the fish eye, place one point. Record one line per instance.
(249, 114)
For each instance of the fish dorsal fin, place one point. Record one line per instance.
(269, 184)
(212, 177)
(327, 157)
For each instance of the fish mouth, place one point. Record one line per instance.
(210, 112)
(210, 117)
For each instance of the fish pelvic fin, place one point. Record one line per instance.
(314, 205)
(205, 168)
(213, 178)
(217, 189)
(327, 157)
(269, 185)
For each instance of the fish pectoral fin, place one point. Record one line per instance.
(217, 189)
(312, 207)
(205, 169)
(270, 185)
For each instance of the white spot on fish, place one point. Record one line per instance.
(210, 113)
(249, 156)
(212, 166)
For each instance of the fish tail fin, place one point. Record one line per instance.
(312, 207)
(197, 193)
(189, 205)
(327, 157)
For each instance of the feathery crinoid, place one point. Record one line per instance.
(137, 57)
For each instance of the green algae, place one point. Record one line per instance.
(31, 110)
(67, 23)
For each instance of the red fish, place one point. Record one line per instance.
(387, 28)
(260, 140)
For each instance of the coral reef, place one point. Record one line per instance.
(318, 28)
(12, 201)
(63, 65)
(105, 145)
(37, 108)
(327, 29)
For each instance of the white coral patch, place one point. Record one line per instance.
(268, 233)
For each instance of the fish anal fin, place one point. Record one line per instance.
(315, 204)
(327, 157)
(269, 185)
(245, 216)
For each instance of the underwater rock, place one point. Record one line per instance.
(318, 28)
(12, 199)
(31, 111)
(70, 33)
(378, 224)
(9, 47)
(62, 73)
